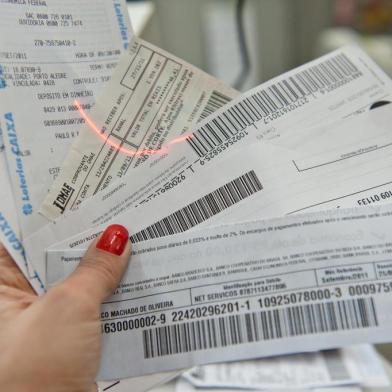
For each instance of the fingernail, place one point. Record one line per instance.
(114, 239)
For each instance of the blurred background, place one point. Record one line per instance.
(245, 42)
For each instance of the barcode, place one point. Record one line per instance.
(203, 208)
(215, 102)
(271, 99)
(259, 326)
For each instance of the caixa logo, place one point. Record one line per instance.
(3, 84)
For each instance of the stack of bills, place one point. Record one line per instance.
(99, 126)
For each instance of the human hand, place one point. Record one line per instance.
(53, 343)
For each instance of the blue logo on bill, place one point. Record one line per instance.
(27, 209)
(3, 84)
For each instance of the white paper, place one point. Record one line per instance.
(359, 365)
(338, 389)
(9, 228)
(265, 181)
(294, 284)
(182, 177)
(137, 384)
(308, 370)
(40, 51)
(10, 238)
(184, 386)
(52, 52)
(255, 114)
(367, 362)
(154, 98)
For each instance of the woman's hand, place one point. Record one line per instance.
(53, 343)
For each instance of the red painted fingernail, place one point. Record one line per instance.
(114, 239)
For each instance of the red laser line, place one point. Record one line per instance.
(117, 146)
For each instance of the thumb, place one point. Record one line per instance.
(103, 265)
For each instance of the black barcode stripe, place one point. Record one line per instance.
(215, 102)
(260, 326)
(267, 101)
(203, 208)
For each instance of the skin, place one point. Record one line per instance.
(53, 342)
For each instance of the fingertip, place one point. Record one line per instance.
(104, 263)
(114, 240)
